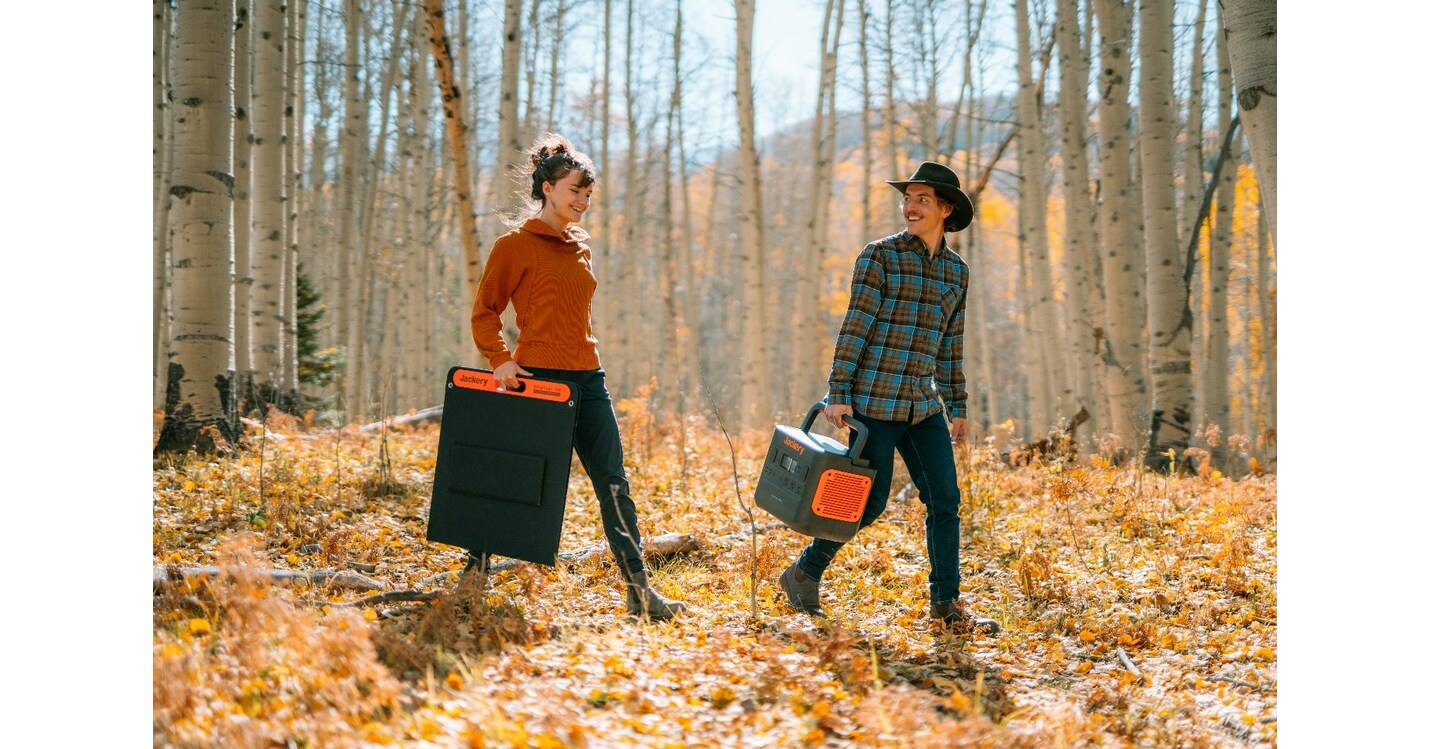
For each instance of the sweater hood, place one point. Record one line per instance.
(571, 240)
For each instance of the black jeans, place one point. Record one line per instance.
(927, 451)
(598, 445)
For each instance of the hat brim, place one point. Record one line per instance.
(962, 206)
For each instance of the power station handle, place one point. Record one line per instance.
(861, 434)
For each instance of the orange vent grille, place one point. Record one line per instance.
(841, 496)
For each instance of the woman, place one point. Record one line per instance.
(543, 268)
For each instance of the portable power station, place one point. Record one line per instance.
(814, 484)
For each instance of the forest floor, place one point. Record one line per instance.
(1138, 609)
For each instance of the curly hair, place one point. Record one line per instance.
(550, 159)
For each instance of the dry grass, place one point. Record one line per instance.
(1089, 569)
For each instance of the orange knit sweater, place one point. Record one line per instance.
(546, 275)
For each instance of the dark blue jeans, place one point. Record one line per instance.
(927, 451)
(598, 445)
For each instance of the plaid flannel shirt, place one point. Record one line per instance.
(903, 331)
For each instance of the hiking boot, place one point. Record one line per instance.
(803, 591)
(955, 618)
(645, 602)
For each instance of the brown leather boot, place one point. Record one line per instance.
(802, 590)
(644, 601)
(955, 618)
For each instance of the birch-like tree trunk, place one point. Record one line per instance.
(1216, 408)
(807, 380)
(456, 131)
(891, 146)
(1169, 325)
(266, 249)
(866, 130)
(754, 374)
(1192, 193)
(1046, 371)
(673, 338)
(350, 306)
(293, 124)
(1079, 215)
(627, 282)
(1250, 30)
(198, 411)
(163, 19)
(1266, 303)
(509, 139)
(242, 207)
(602, 254)
(1122, 252)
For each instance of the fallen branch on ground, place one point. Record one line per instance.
(416, 417)
(657, 549)
(345, 579)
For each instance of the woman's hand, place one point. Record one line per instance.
(505, 374)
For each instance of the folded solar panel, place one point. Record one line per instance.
(503, 462)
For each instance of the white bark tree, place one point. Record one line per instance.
(1169, 327)
(808, 380)
(1118, 219)
(198, 411)
(267, 254)
(1079, 215)
(1250, 30)
(163, 19)
(754, 370)
(1046, 369)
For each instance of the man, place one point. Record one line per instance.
(899, 351)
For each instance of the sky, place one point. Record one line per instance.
(1352, 512)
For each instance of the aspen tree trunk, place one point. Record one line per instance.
(673, 362)
(1215, 406)
(425, 252)
(456, 131)
(557, 45)
(509, 139)
(532, 53)
(1266, 303)
(1045, 372)
(1193, 192)
(811, 281)
(1078, 215)
(349, 304)
(754, 370)
(163, 17)
(627, 304)
(1118, 219)
(979, 353)
(928, 44)
(896, 170)
(198, 411)
(242, 210)
(1169, 326)
(293, 124)
(369, 247)
(688, 299)
(1250, 30)
(602, 253)
(866, 131)
(320, 259)
(267, 255)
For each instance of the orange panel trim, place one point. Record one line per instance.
(478, 379)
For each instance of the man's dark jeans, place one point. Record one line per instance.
(927, 451)
(598, 445)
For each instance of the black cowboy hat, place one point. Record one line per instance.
(945, 183)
